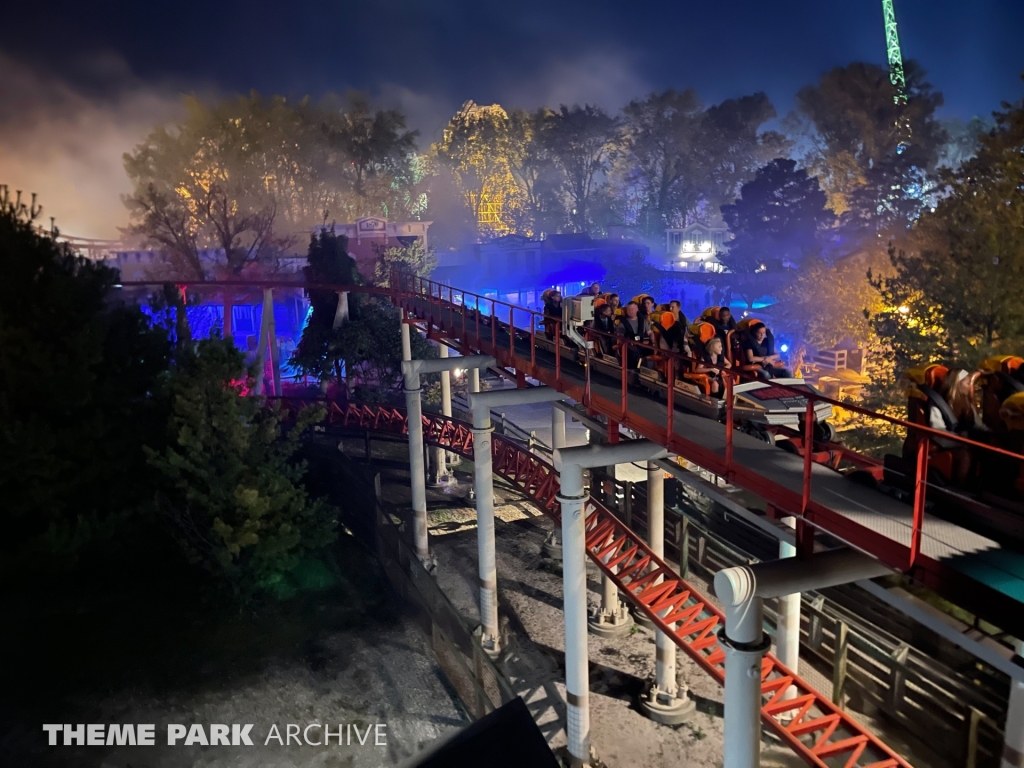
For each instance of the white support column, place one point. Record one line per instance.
(612, 619)
(570, 463)
(417, 468)
(406, 340)
(552, 546)
(411, 370)
(451, 459)
(787, 633)
(487, 563)
(480, 405)
(573, 500)
(261, 349)
(1013, 740)
(274, 349)
(667, 702)
(441, 456)
(474, 380)
(742, 591)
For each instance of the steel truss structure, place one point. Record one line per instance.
(818, 731)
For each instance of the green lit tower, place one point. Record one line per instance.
(899, 82)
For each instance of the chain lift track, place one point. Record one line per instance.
(818, 731)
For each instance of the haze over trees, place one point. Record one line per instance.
(814, 201)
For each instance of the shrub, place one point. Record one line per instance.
(230, 485)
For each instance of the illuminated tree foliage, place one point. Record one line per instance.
(475, 148)
(955, 294)
(849, 118)
(534, 169)
(230, 489)
(824, 303)
(246, 175)
(77, 376)
(415, 259)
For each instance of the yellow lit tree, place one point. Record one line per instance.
(475, 149)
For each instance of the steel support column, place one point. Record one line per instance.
(742, 591)
(787, 632)
(480, 404)
(552, 546)
(570, 463)
(666, 702)
(573, 500)
(487, 563)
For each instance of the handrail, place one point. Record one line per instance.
(423, 287)
(404, 288)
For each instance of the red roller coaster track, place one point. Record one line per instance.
(818, 731)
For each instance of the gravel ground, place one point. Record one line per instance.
(531, 596)
(145, 650)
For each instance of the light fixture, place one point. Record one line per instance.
(904, 309)
(784, 347)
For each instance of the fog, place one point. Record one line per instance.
(64, 139)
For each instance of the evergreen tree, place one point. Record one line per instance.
(368, 343)
(230, 488)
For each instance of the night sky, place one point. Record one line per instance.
(124, 64)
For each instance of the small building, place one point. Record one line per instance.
(695, 248)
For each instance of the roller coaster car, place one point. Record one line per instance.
(928, 407)
(1000, 378)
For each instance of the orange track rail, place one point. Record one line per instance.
(817, 730)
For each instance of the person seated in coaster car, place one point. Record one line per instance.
(757, 348)
(712, 360)
(633, 328)
(604, 323)
(552, 299)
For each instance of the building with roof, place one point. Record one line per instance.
(695, 248)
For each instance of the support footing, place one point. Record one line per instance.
(552, 547)
(641, 618)
(610, 624)
(491, 645)
(666, 709)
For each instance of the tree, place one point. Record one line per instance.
(681, 159)
(536, 173)
(660, 134)
(474, 147)
(958, 284)
(230, 488)
(850, 120)
(377, 151)
(78, 373)
(368, 344)
(733, 146)
(823, 303)
(205, 186)
(414, 259)
(777, 220)
(581, 141)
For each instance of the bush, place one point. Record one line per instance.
(78, 373)
(230, 487)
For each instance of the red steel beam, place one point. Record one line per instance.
(814, 727)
